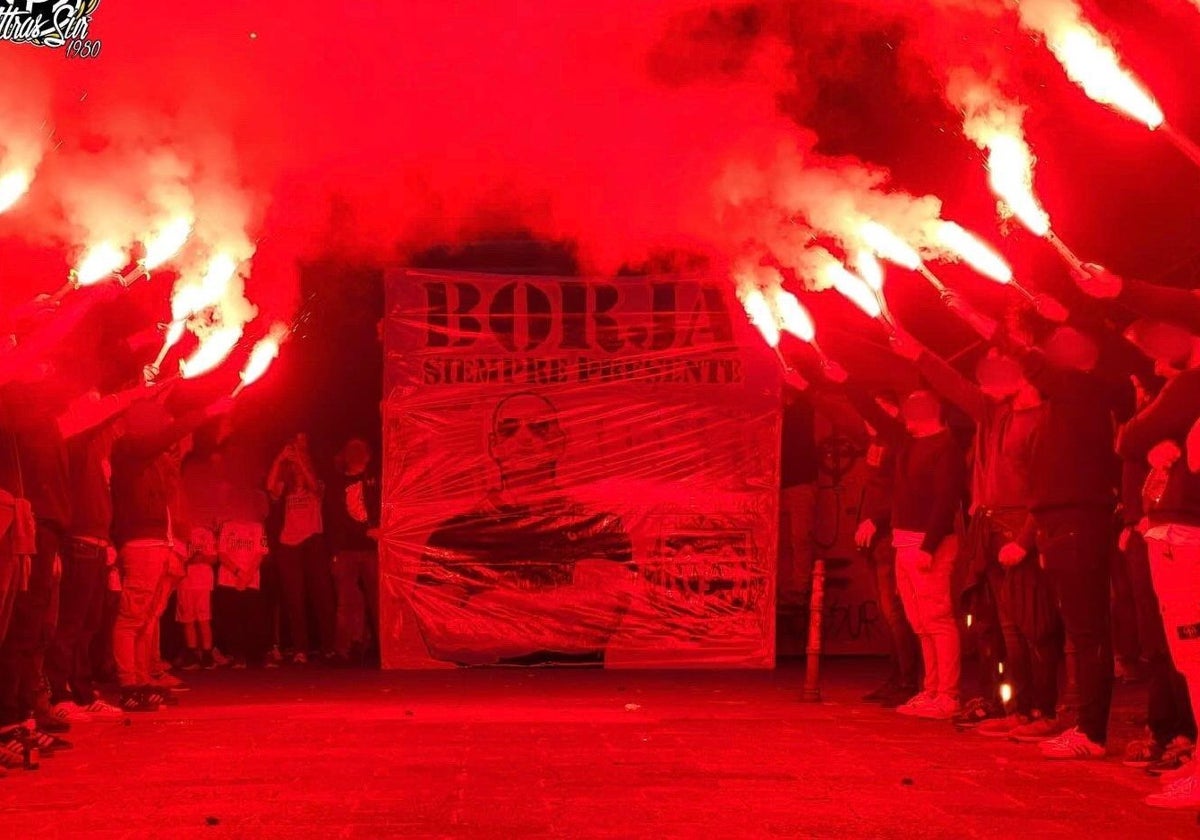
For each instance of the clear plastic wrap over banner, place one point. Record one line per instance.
(577, 471)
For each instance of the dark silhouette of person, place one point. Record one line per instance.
(528, 575)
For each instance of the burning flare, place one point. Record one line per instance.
(869, 269)
(167, 243)
(758, 310)
(12, 187)
(1010, 174)
(974, 252)
(100, 261)
(190, 298)
(213, 350)
(887, 245)
(264, 352)
(792, 316)
(853, 288)
(1089, 58)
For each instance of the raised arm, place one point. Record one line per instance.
(1168, 417)
(86, 413)
(952, 386)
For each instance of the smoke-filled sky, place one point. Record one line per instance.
(629, 127)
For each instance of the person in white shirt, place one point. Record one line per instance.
(303, 557)
(193, 600)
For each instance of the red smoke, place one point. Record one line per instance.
(376, 127)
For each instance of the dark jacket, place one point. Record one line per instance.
(1169, 416)
(145, 478)
(1004, 437)
(345, 530)
(927, 491)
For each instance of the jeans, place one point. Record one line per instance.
(29, 632)
(81, 605)
(1175, 565)
(356, 574)
(1076, 548)
(145, 589)
(307, 579)
(906, 649)
(929, 606)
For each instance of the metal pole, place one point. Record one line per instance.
(1066, 253)
(1028, 294)
(816, 608)
(924, 271)
(1182, 142)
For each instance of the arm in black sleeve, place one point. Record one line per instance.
(885, 425)
(953, 386)
(1168, 417)
(845, 419)
(1119, 358)
(1049, 380)
(160, 440)
(55, 330)
(1163, 303)
(948, 481)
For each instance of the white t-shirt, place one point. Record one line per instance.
(242, 544)
(301, 516)
(199, 574)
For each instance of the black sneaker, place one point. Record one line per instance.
(1177, 754)
(12, 753)
(189, 661)
(160, 696)
(12, 748)
(878, 694)
(49, 744)
(898, 696)
(207, 662)
(52, 725)
(135, 700)
(976, 712)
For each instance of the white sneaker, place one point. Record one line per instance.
(69, 712)
(941, 707)
(99, 710)
(913, 706)
(1072, 744)
(1181, 794)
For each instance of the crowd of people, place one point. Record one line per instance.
(1070, 506)
(127, 519)
(1067, 516)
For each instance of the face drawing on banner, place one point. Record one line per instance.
(526, 439)
(528, 570)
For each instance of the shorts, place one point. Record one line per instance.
(193, 605)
